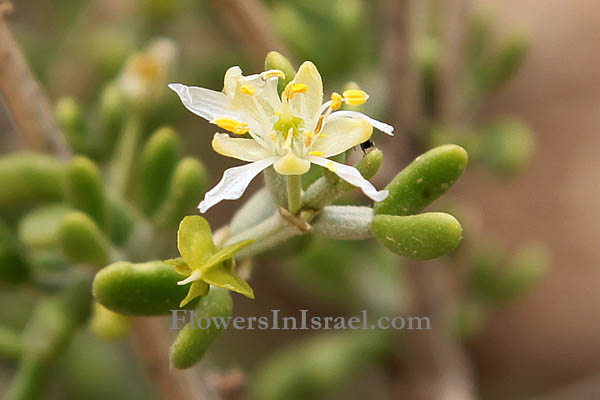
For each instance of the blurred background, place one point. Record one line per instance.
(527, 198)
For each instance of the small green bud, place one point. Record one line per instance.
(424, 180)
(28, 178)
(367, 166)
(139, 289)
(81, 240)
(71, 120)
(158, 161)
(109, 325)
(509, 59)
(276, 60)
(191, 343)
(85, 190)
(187, 186)
(507, 146)
(39, 228)
(499, 280)
(422, 237)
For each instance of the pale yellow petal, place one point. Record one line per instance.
(307, 104)
(342, 134)
(290, 164)
(240, 148)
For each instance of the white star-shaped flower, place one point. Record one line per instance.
(289, 132)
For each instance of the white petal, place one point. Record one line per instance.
(233, 184)
(206, 103)
(307, 104)
(342, 134)
(230, 81)
(382, 126)
(352, 176)
(240, 148)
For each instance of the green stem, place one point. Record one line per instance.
(29, 381)
(294, 192)
(124, 157)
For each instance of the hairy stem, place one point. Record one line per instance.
(294, 193)
(269, 233)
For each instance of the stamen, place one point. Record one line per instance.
(316, 153)
(355, 97)
(272, 73)
(292, 88)
(319, 124)
(231, 125)
(322, 135)
(330, 166)
(308, 137)
(336, 101)
(249, 90)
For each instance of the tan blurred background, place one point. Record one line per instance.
(549, 337)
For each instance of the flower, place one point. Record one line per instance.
(289, 132)
(203, 263)
(145, 73)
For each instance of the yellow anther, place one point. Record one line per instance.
(308, 137)
(316, 153)
(147, 67)
(319, 125)
(330, 166)
(231, 125)
(322, 135)
(336, 101)
(249, 90)
(273, 73)
(292, 88)
(355, 97)
(273, 137)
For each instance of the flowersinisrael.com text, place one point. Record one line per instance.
(179, 318)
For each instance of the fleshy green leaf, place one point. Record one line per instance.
(425, 179)
(225, 278)
(194, 240)
(197, 289)
(225, 253)
(422, 237)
